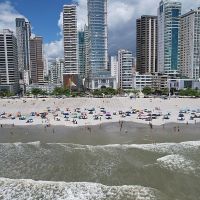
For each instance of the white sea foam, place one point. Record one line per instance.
(178, 163)
(29, 189)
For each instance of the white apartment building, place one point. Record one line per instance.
(56, 71)
(125, 65)
(142, 80)
(70, 39)
(190, 44)
(114, 68)
(9, 76)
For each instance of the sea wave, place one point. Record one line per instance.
(161, 166)
(29, 189)
(178, 163)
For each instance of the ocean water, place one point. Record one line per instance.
(107, 172)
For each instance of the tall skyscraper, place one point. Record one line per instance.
(81, 53)
(169, 13)
(125, 62)
(146, 46)
(98, 37)
(70, 44)
(36, 58)
(86, 51)
(190, 44)
(23, 34)
(9, 76)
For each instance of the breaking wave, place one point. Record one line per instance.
(168, 168)
(28, 189)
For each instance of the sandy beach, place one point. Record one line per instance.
(119, 149)
(55, 108)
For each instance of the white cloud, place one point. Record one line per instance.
(122, 17)
(54, 49)
(7, 16)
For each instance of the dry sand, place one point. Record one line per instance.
(110, 104)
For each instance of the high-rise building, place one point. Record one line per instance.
(70, 45)
(114, 68)
(98, 38)
(125, 62)
(86, 51)
(146, 46)
(36, 58)
(56, 71)
(9, 76)
(169, 13)
(81, 53)
(23, 34)
(190, 44)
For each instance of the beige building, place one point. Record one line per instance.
(36, 59)
(190, 44)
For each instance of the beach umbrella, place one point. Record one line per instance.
(108, 114)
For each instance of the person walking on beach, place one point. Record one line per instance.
(89, 129)
(121, 125)
(150, 124)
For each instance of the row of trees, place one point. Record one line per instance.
(5, 93)
(59, 91)
(150, 91)
(190, 92)
(185, 92)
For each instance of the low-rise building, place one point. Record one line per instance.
(142, 80)
(47, 87)
(179, 84)
(98, 83)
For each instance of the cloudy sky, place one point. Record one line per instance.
(46, 19)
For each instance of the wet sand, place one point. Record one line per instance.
(108, 133)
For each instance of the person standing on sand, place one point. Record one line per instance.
(150, 124)
(121, 125)
(174, 128)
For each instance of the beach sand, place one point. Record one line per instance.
(115, 104)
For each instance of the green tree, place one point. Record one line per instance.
(189, 92)
(147, 91)
(6, 93)
(36, 91)
(165, 91)
(59, 91)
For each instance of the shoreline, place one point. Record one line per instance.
(107, 133)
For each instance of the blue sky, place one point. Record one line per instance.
(46, 20)
(43, 15)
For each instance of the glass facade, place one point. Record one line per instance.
(169, 13)
(98, 44)
(81, 53)
(23, 34)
